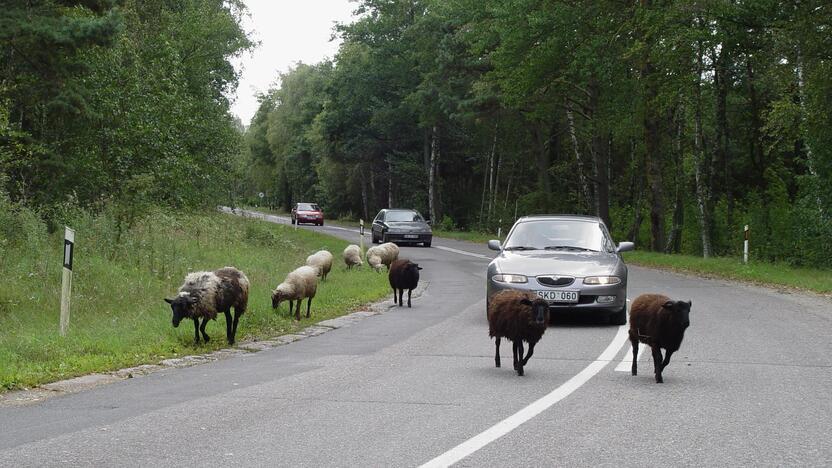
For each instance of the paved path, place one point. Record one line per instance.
(751, 386)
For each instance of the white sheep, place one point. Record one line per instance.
(321, 261)
(383, 254)
(299, 284)
(352, 256)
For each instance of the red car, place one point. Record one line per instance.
(307, 213)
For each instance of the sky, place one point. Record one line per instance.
(289, 31)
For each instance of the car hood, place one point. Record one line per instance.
(408, 226)
(544, 262)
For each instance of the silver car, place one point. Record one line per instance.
(569, 260)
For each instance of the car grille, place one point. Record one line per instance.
(555, 281)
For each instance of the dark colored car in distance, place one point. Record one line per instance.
(401, 226)
(568, 260)
(307, 213)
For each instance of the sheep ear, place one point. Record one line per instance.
(169, 301)
(690, 303)
(525, 301)
(669, 305)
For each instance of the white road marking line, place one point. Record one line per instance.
(462, 252)
(512, 422)
(626, 363)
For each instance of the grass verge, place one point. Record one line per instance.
(770, 274)
(118, 316)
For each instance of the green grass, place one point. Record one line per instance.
(771, 274)
(118, 317)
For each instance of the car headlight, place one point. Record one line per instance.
(509, 278)
(601, 280)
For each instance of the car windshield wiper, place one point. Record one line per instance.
(521, 247)
(568, 247)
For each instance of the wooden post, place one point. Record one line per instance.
(66, 281)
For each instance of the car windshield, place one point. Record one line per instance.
(557, 234)
(402, 216)
(308, 207)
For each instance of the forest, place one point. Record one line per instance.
(117, 106)
(677, 122)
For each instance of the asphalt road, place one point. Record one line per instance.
(751, 386)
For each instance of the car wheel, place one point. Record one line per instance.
(619, 317)
(384, 238)
(373, 237)
(293, 220)
(426, 244)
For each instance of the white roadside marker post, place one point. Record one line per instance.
(66, 281)
(745, 245)
(361, 235)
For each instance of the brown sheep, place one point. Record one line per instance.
(659, 322)
(404, 274)
(518, 316)
(205, 293)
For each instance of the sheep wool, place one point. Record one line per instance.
(322, 261)
(352, 256)
(301, 283)
(386, 253)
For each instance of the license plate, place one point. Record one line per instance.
(411, 236)
(559, 296)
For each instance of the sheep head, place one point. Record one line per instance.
(680, 311)
(539, 309)
(280, 294)
(182, 307)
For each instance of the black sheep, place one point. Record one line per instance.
(517, 316)
(659, 322)
(403, 274)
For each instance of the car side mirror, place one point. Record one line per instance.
(494, 244)
(625, 247)
(429, 222)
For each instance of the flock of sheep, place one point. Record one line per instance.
(205, 294)
(655, 320)
(518, 316)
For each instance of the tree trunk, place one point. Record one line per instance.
(434, 161)
(651, 142)
(721, 155)
(389, 181)
(700, 163)
(674, 242)
(364, 195)
(600, 160)
(755, 143)
(570, 120)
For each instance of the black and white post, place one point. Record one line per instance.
(361, 235)
(66, 282)
(745, 245)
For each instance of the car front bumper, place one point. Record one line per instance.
(588, 294)
(407, 237)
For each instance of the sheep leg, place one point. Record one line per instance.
(520, 358)
(666, 361)
(196, 330)
(497, 352)
(202, 329)
(228, 327)
(514, 352)
(409, 291)
(308, 306)
(237, 314)
(531, 351)
(401, 294)
(634, 369)
(657, 363)
(297, 310)
(395, 296)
